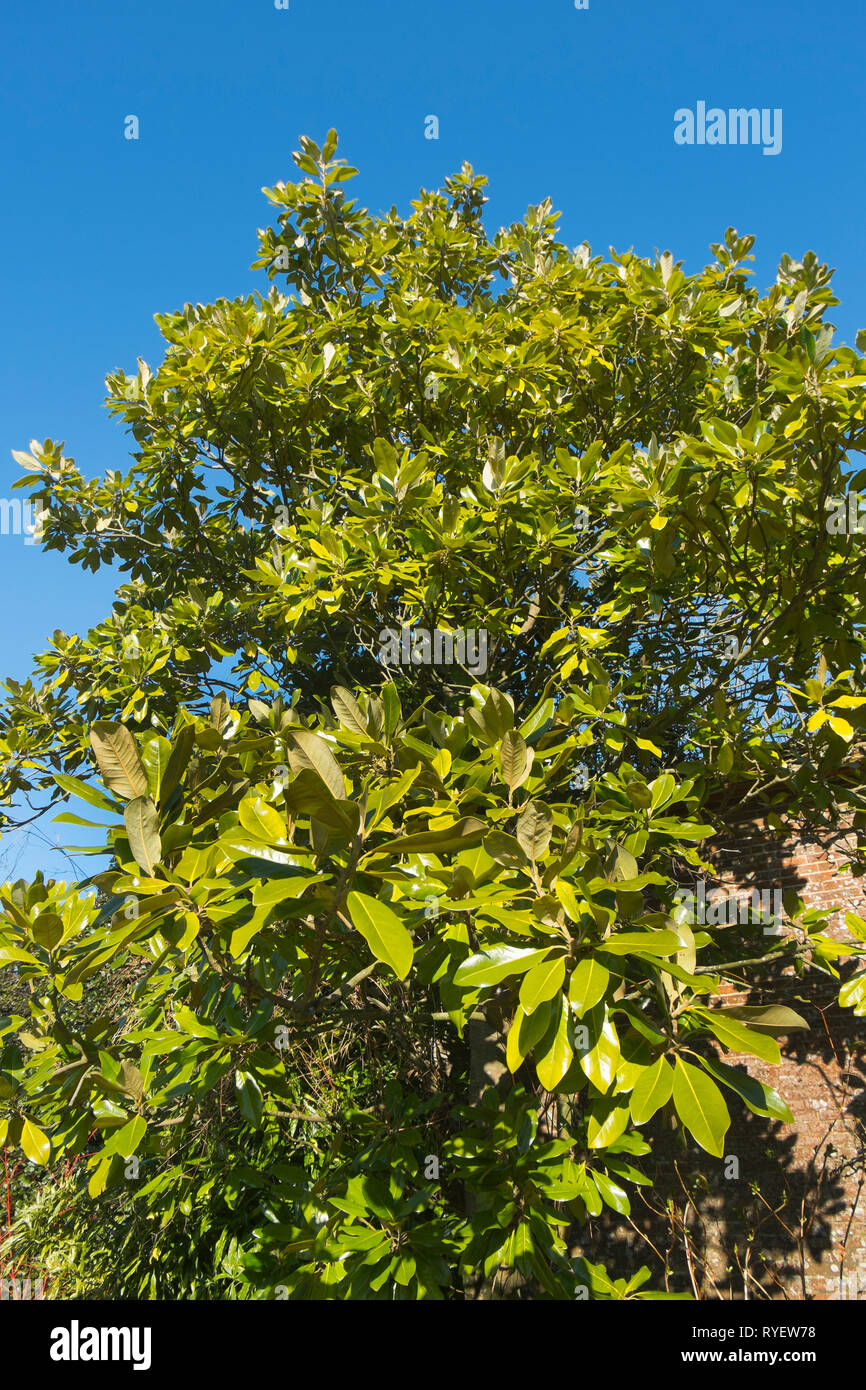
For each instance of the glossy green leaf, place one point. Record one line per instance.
(555, 1062)
(497, 963)
(35, 1142)
(757, 1095)
(317, 755)
(701, 1107)
(262, 820)
(738, 1036)
(651, 1091)
(542, 982)
(588, 984)
(384, 932)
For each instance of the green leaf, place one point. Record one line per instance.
(758, 1096)
(262, 820)
(393, 710)
(555, 1062)
(181, 752)
(657, 943)
(652, 1090)
(74, 786)
(118, 759)
(542, 982)
(532, 1028)
(607, 1121)
(48, 930)
(348, 711)
(13, 955)
(662, 790)
(515, 760)
(504, 849)
(243, 847)
(142, 827)
(534, 829)
(599, 1059)
(249, 1096)
(625, 865)
(99, 1176)
(514, 1050)
(568, 897)
(852, 995)
(463, 834)
(242, 936)
(317, 755)
(384, 932)
(841, 727)
(220, 709)
(278, 890)
(772, 1018)
(34, 1142)
(701, 1107)
(497, 963)
(738, 1036)
(614, 1196)
(128, 1138)
(588, 984)
(155, 757)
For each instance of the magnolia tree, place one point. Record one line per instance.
(472, 580)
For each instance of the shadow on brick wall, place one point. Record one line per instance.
(783, 1215)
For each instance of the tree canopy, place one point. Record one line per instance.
(470, 582)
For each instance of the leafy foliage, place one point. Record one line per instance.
(322, 866)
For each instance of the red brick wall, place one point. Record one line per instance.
(787, 1219)
(815, 1165)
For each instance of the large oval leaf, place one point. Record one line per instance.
(257, 817)
(515, 760)
(462, 834)
(155, 758)
(758, 1096)
(35, 1142)
(651, 943)
(651, 1091)
(315, 753)
(600, 1056)
(738, 1037)
(534, 829)
(607, 1121)
(556, 1061)
(542, 982)
(771, 1018)
(142, 827)
(701, 1107)
(588, 984)
(347, 710)
(497, 963)
(118, 759)
(385, 934)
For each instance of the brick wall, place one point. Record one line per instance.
(815, 1165)
(784, 1216)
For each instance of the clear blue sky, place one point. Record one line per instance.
(98, 233)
